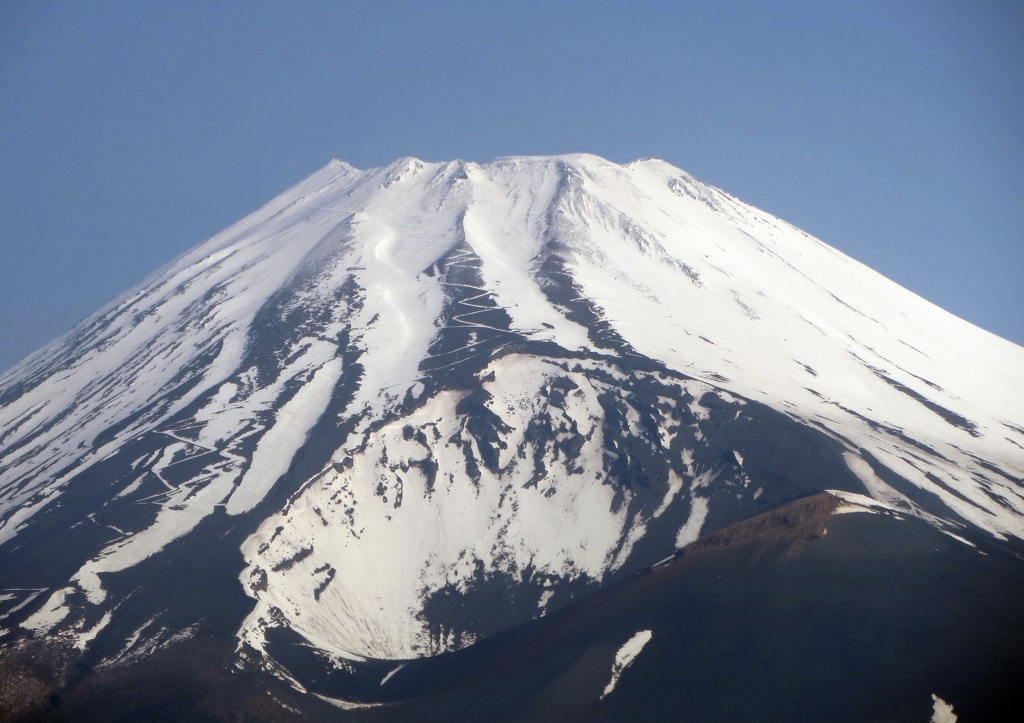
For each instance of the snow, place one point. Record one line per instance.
(86, 637)
(387, 677)
(182, 512)
(625, 657)
(942, 712)
(386, 554)
(18, 515)
(504, 225)
(627, 231)
(347, 704)
(854, 502)
(735, 299)
(52, 613)
(690, 531)
(137, 647)
(204, 300)
(276, 448)
(959, 539)
(675, 484)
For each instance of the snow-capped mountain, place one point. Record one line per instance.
(396, 411)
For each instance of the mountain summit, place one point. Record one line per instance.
(398, 411)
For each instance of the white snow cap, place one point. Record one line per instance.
(706, 286)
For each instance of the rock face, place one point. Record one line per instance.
(397, 411)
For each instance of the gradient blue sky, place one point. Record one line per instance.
(132, 131)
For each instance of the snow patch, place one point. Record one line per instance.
(279, 444)
(942, 712)
(690, 531)
(50, 614)
(859, 503)
(348, 704)
(625, 657)
(83, 639)
(387, 677)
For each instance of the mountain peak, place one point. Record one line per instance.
(392, 396)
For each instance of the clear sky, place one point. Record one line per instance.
(130, 132)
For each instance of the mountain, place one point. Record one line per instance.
(401, 411)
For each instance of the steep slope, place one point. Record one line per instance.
(399, 410)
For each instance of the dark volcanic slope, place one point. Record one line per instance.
(817, 610)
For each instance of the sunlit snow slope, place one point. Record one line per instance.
(405, 408)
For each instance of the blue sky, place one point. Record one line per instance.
(130, 132)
